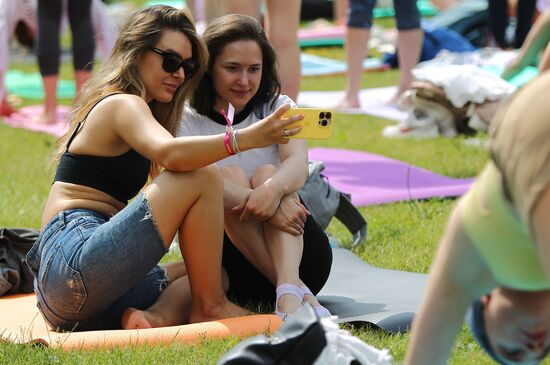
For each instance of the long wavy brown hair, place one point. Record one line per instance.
(119, 74)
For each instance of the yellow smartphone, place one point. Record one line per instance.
(317, 122)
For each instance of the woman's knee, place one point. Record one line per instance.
(262, 173)
(173, 185)
(235, 174)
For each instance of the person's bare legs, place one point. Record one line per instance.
(172, 308)
(5, 108)
(191, 203)
(356, 48)
(275, 253)
(247, 236)
(409, 46)
(339, 9)
(247, 7)
(285, 250)
(283, 19)
(49, 116)
(81, 77)
(174, 270)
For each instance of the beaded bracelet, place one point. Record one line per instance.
(236, 141)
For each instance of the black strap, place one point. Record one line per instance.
(79, 125)
(351, 217)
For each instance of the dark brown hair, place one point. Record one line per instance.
(228, 29)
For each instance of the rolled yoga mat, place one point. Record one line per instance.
(21, 322)
(360, 293)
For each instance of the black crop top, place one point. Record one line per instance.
(121, 176)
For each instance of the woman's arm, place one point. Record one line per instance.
(292, 173)
(536, 41)
(458, 277)
(541, 228)
(544, 63)
(289, 177)
(135, 125)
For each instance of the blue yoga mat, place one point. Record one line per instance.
(318, 66)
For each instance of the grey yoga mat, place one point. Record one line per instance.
(361, 294)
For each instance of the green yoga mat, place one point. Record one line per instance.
(173, 3)
(425, 7)
(526, 75)
(29, 86)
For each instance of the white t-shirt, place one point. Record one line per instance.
(195, 124)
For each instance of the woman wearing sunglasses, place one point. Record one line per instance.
(495, 255)
(97, 254)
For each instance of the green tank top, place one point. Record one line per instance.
(501, 238)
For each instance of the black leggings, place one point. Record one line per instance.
(498, 20)
(247, 284)
(48, 43)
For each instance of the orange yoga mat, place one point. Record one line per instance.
(21, 322)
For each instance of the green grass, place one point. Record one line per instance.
(401, 236)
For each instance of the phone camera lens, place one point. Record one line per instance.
(322, 115)
(328, 115)
(323, 122)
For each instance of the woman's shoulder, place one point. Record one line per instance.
(121, 104)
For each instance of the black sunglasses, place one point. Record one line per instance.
(171, 62)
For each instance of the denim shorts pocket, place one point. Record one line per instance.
(33, 256)
(65, 288)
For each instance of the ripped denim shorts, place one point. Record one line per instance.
(89, 268)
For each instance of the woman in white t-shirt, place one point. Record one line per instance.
(273, 250)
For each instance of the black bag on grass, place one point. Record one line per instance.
(15, 275)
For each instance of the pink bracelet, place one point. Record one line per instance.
(227, 143)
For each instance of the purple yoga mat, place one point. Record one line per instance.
(373, 179)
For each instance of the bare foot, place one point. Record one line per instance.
(46, 118)
(133, 318)
(402, 100)
(311, 299)
(289, 303)
(224, 310)
(321, 311)
(395, 98)
(6, 109)
(348, 103)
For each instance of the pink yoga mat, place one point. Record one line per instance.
(373, 179)
(27, 116)
(329, 31)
